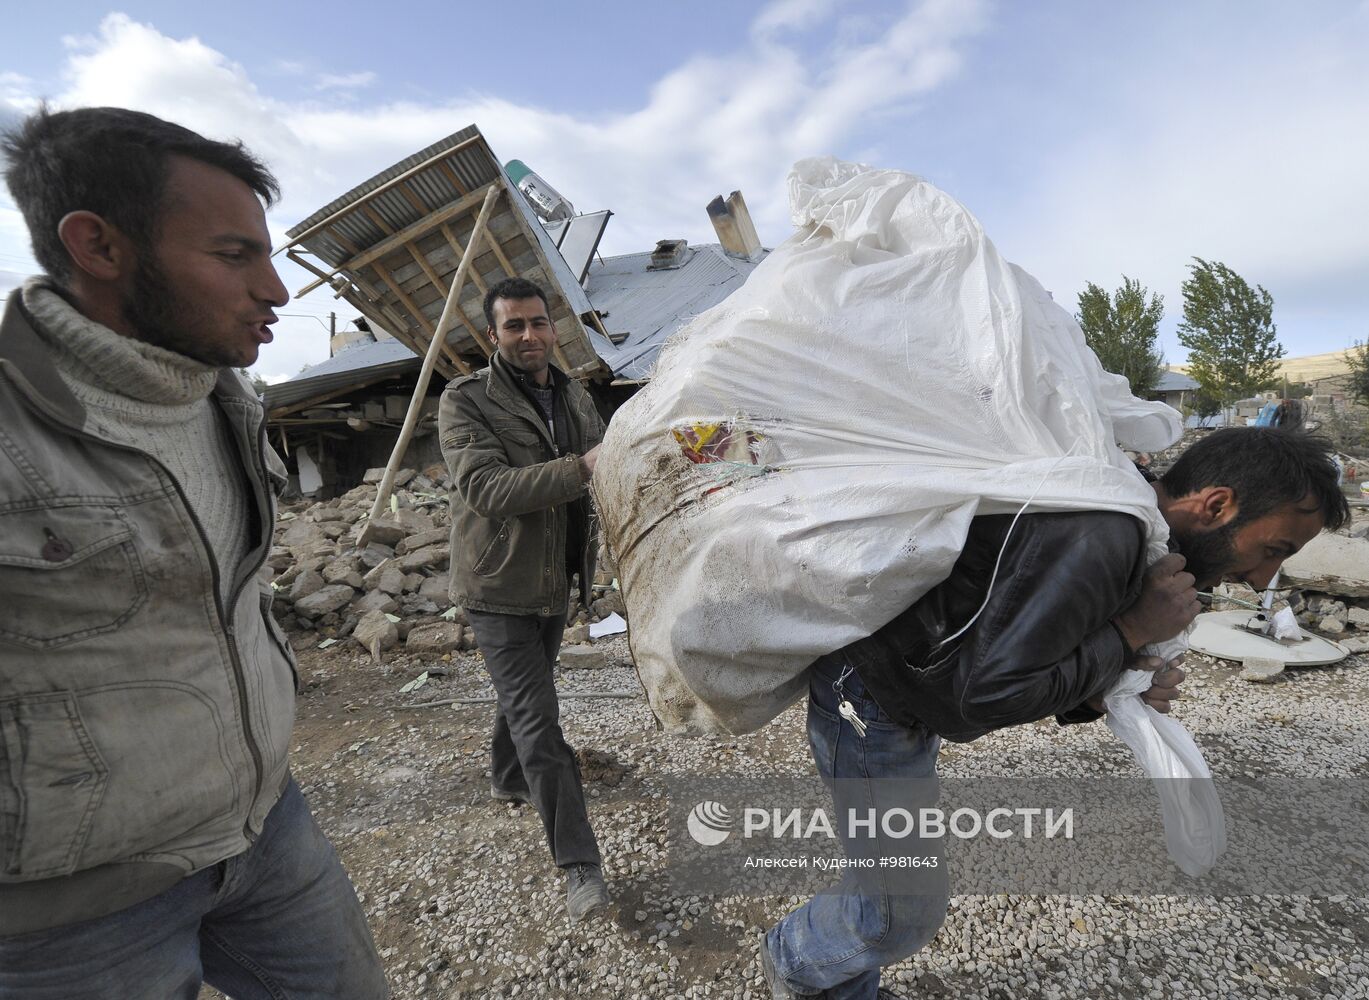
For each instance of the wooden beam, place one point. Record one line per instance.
(441, 286)
(446, 168)
(411, 232)
(499, 254)
(411, 172)
(417, 313)
(458, 250)
(425, 373)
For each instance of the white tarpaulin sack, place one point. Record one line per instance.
(806, 460)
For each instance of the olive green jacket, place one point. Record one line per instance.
(144, 723)
(512, 495)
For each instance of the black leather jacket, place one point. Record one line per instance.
(1044, 644)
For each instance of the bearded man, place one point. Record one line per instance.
(150, 833)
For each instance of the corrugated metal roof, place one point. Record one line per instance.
(368, 363)
(1174, 382)
(651, 305)
(467, 157)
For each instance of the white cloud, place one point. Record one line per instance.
(713, 124)
(790, 15)
(345, 81)
(1257, 162)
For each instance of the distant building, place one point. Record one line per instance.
(1174, 388)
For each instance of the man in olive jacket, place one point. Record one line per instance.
(521, 439)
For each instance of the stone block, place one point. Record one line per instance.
(1358, 617)
(1331, 625)
(1260, 669)
(610, 603)
(576, 635)
(326, 514)
(374, 554)
(325, 601)
(413, 521)
(435, 638)
(403, 476)
(420, 539)
(434, 589)
(373, 476)
(280, 559)
(429, 555)
(374, 632)
(375, 600)
(583, 658)
(340, 569)
(385, 530)
(305, 583)
(391, 580)
(412, 581)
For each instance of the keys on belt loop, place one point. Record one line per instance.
(844, 708)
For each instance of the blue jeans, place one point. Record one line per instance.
(835, 944)
(278, 922)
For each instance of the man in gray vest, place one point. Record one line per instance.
(150, 833)
(521, 439)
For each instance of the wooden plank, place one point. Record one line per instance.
(410, 232)
(426, 372)
(436, 158)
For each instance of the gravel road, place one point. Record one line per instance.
(466, 903)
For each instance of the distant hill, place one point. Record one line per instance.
(1307, 368)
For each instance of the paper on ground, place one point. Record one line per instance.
(614, 624)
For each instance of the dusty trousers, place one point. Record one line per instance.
(529, 757)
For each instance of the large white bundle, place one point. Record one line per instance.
(807, 458)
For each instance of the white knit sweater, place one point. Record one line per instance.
(159, 402)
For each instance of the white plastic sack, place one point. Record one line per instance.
(1195, 827)
(808, 455)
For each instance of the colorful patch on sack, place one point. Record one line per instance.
(707, 443)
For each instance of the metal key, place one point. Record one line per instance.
(848, 712)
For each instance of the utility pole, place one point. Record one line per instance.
(332, 331)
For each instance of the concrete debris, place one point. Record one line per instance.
(1331, 564)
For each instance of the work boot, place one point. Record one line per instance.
(779, 989)
(503, 795)
(585, 891)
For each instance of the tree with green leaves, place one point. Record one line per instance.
(1123, 330)
(1228, 328)
(1358, 360)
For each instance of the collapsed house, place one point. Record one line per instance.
(393, 247)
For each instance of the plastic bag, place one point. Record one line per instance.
(806, 460)
(1195, 826)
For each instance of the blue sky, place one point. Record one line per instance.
(1092, 140)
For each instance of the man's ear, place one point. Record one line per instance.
(1218, 506)
(96, 246)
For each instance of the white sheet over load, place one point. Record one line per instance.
(805, 461)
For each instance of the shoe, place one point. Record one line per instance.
(501, 795)
(779, 990)
(585, 891)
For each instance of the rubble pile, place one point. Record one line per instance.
(392, 592)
